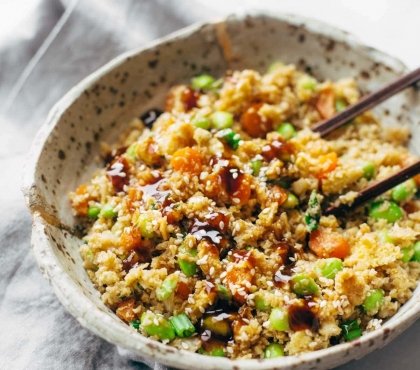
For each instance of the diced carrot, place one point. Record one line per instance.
(240, 276)
(183, 290)
(131, 239)
(187, 160)
(253, 123)
(244, 191)
(328, 163)
(125, 310)
(325, 104)
(278, 195)
(326, 244)
(417, 180)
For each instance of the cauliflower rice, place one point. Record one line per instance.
(205, 228)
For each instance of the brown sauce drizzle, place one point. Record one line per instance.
(212, 229)
(154, 191)
(138, 255)
(231, 178)
(276, 149)
(189, 98)
(283, 274)
(117, 172)
(302, 317)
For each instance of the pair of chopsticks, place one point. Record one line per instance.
(367, 102)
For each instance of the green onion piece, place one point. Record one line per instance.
(369, 170)
(135, 324)
(304, 285)
(408, 253)
(202, 82)
(351, 330)
(132, 151)
(107, 212)
(291, 202)
(230, 137)
(404, 191)
(329, 267)
(182, 325)
(221, 120)
(313, 212)
(386, 210)
(163, 329)
(286, 130)
(187, 267)
(273, 350)
(260, 302)
(167, 288)
(217, 352)
(416, 256)
(274, 66)
(256, 166)
(223, 293)
(201, 122)
(373, 301)
(217, 326)
(93, 212)
(279, 319)
(307, 83)
(145, 224)
(340, 105)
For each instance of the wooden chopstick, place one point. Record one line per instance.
(376, 189)
(367, 102)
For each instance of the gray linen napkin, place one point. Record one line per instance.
(69, 40)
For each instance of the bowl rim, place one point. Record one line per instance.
(100, 323)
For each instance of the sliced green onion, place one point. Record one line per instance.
(279, 319)
(273, 350)
(107, 212)
(307, 83)
(135, 324)
(93, 212)
(340, 105)
(313, 212)
(202, 82)
(404, 191)
(329, 267)
(230, 137)
(373, 301)
(256, 166)
(286, 130)
(386, 210)
(221, 120)
(369, 170)
(145, 224)
(291, 202)
(408, 253)
(223, 293)
(260, 303)
(304, 285)
(156, 325)
(187, 267)
(201, 122)
(182, 325)
(167, 288)
(217, 352)
(351, 330)
(416, 256)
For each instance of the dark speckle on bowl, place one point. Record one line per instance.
(61, 154)
(153, 63)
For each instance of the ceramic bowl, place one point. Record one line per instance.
(65, 153)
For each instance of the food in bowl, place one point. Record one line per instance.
(205, 228)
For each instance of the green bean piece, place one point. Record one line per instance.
(291, 202)
(187, 267)
(145, 224)
(313, 212)
(286, 130)
(351, 330)
(340, 105)
(373, 301)
(182, 325)
(329, 267)
(256, 166)
(93, 212)
(416, 255)
(156, 325)
(387, 210)
(201, 122)
(230, 137)
(166, 290)
(304, 285)
(221, 120)
(279, 319)
(369, 170)
(404, 191)
(273, 350)
(407, 253)
(108, 211)
(261, 303)
(202, 82)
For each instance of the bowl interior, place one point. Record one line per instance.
(66, 151)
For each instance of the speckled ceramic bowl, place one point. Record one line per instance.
(65, 153)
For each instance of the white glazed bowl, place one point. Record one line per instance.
(64, 154)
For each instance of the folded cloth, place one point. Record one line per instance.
(57, 44)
